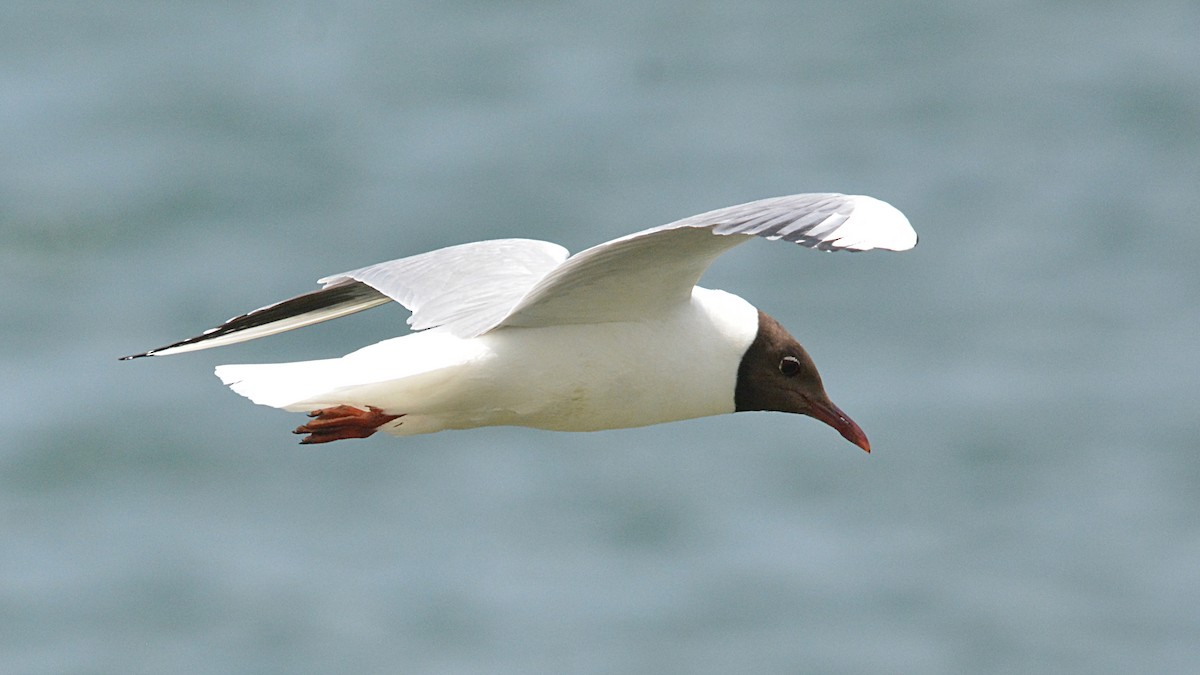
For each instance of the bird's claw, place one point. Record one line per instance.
(341, 422)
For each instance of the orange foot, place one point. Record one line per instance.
(343, 421)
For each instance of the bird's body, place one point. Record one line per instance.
(515, 332)
(569, 377)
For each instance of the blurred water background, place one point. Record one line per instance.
(1028, 375)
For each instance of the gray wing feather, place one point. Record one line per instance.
(811, 220)
(466, 288)
(647, 272)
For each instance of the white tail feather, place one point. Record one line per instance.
(283, 385)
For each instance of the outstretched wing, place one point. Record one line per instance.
(466, 289)
(473, 288)
(646, 273)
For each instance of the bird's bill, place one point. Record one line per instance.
(832, 415)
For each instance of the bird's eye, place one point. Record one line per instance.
(789, 366)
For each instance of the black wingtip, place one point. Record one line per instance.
(135, 356)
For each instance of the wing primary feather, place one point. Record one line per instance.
(328, 303)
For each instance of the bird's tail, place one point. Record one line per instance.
(406, 374)
(291, 386)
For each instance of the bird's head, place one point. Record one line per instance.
(777, 374)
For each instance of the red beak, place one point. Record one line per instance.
(832, 415)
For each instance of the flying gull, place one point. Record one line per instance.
(518, 332)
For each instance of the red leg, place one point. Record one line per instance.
(343, 421)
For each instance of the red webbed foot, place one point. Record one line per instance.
(342, 421)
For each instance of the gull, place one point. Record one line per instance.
(518, 332)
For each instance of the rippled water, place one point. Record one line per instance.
(1027, 375)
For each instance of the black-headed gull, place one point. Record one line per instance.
(515, 332)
